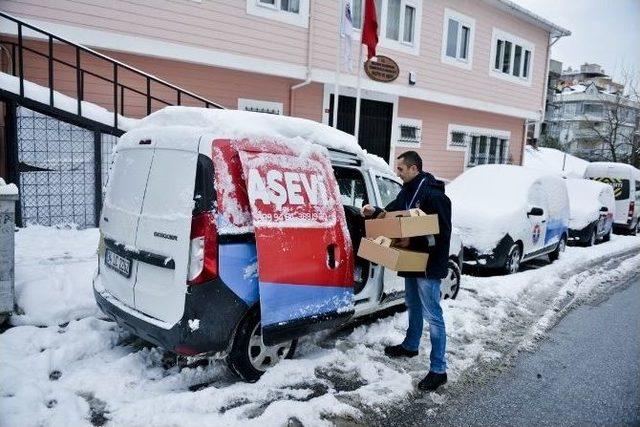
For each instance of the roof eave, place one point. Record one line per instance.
(522, 13)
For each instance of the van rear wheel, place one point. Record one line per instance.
(562, 245)
(249, 357)
(512, 264)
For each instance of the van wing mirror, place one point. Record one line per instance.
(604, 209)
(535, 212)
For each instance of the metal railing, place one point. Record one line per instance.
(18, 48)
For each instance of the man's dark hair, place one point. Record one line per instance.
(411, 158)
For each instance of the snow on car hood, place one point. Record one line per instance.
(488, 202)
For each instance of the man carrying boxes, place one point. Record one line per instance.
(419, 222)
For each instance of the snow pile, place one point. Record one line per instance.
(67, 374)
(245, 124)
(7, 189)
(490, 201)
(54, 269)
(586, 197)
(552, 161)
(64, 102)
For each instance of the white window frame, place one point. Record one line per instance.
(245, 104)
(404, 121)
(514, 40)
(467, 21)
(470, 132)
(398, 45)
(300, 19)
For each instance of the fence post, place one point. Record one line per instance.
(78, 81)
(11, 134)
(97, 156)
(51, 71)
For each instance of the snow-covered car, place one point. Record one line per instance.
(625, 181)
(509, 214)
(592, 209)
(234, 233)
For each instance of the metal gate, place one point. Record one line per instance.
(59, 170)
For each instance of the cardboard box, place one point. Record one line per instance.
(379, 250)
(399, 224)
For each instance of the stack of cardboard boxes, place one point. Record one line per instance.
(382, 233)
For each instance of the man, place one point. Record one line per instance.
(422, 290)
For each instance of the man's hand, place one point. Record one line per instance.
(401, 243)
(367, 210)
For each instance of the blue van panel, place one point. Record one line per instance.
(238, 264)
(555, 229)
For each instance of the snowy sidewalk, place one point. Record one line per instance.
(63, 365)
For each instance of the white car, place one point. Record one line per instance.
(625, 181)
(592, 207)
(509, 214)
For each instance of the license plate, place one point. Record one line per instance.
(120, 264)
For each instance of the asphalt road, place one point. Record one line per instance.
(586, 373)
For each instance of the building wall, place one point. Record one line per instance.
(436, 118)
(199, 24)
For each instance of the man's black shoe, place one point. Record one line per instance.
(399, 351)
(432, 381)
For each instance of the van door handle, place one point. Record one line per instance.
(331, 256)
(543, 221)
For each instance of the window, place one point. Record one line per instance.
(294, 12)
(401, 19)
(409, 132)
(399, 23)
(593, 110)
(483, 146)
(388, 188)
(511, 57)
(457, 39)
(353, 191)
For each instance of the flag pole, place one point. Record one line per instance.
(357, 124)
(336, 86)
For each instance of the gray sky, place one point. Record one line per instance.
(606, 32)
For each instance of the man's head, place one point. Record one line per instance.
(408, 165)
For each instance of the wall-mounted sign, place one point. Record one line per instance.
(383, 69)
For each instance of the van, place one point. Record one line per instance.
(508, 214)
(625, 180)
(592, 207)
(232, 234)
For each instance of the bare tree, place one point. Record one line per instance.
(617, 126)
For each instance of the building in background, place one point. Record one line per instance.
(591, 116)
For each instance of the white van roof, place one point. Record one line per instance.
(600, 166)
(241, 124)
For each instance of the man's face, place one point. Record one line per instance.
(406, 173)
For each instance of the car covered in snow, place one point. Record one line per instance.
(625, 181)
(592, 209)
(509, 214)
(233, 233)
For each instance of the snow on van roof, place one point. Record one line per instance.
(554, 161)
(622, 166)
(240, 124)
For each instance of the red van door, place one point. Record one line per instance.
(305, 257)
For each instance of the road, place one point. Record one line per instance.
(586, 373)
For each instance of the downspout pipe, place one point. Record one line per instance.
(309, 58)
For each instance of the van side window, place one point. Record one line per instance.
(353, 190)
(388, 188)
(204, 194)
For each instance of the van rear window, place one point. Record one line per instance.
(620, 186)
(204, 193)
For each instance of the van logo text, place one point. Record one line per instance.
(165, 235)
(281, 187)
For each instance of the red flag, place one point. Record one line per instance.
(370, 28)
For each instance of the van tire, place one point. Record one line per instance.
(562, 245)
(452, 281)
(593, 237)
(239, 360)
(634, 230)
(606, 237)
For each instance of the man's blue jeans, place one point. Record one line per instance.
(422, 298)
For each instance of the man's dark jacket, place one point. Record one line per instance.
(430, 197)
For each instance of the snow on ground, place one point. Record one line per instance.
(87, 371)
(554, 161)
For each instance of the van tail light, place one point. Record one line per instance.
(203, 249)
(632, 206)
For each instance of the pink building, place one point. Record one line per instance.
(471, 81)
